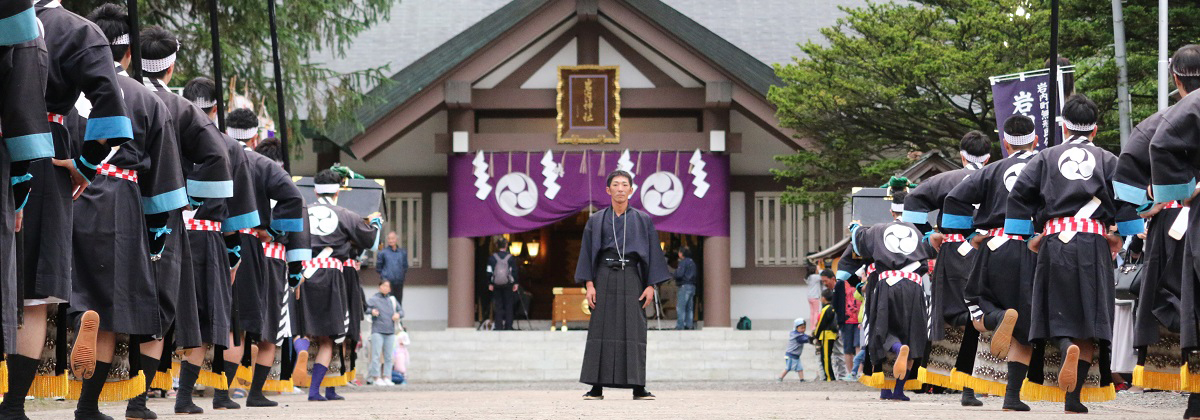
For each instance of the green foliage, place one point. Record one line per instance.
(891, 79)
(322, 95)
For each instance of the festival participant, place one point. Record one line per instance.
(215, 250)
(619, 262)
(950, 327)
(897, 321)
(27, 137)
(1173, 149)
(998, 290)
(1069, 188)
(259, 294)
(322, 296)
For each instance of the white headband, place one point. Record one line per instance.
(240, 133)
(121, 40)
(980, 160)
(326, 188)
(159, 64)
(1020, 140)
(1078, 127)
(205, 103)
(1192, 73)
(897, 208)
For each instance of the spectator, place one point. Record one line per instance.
(814, 291)
(392, 265)
(385, 316)
(846, 308)
(826, 335)
(685, 277)
(503, 268)
(400, 371)
(796, 341)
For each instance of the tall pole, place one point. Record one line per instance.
(1122, 70)
(215, 29)
(135, 46)
(281, 110)
(1054, 76)
(1162, 55)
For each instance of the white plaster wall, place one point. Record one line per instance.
(759, 148)
(411, 155)
(768, 302)
(421, 303)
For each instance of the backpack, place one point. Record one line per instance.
(502, 273)
(743, 323)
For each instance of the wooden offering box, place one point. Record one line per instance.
(569, 305)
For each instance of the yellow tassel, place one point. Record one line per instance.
(925, 376)
(50, 386)
(982, 386)
(351, 376)
(175, 370)
(4, 377)
(1156, 380)
(1189, 382)
(1037, 392)
(275, 385)
(212, 380)
(114, 391)
(877, 380)
(245, 375)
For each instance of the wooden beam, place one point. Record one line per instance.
(763, 114)
(458, 94)
(391, 128)
(589, 42)
(649, 98)
(526, 70)
(643, 65)
(645, 142)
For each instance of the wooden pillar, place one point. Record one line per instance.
(461, 283)
(588, 46)
(717, 274)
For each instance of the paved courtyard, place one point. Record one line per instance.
(677, 400)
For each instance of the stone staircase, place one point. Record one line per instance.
(710, 354)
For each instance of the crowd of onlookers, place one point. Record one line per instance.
(835, 311)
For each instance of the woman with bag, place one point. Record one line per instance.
(385, 321)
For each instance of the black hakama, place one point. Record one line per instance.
(949, 281)
(322, 304)
(210, 265)
(251, 288)
(277, 326)
(1160, 296)
(177, 285)
(615, 353)
(354, 301)
(899, 317)
(1003, 279)
(1073, 289)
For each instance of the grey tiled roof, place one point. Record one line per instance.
(425, 38)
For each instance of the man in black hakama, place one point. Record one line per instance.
(26, 134)
(947, 307)
(129, 197)
(1173, 150)
(259, 294)
(215, 247)
(1069, 188)
(620, 262)
(334, 231)
(998, 289)
(897, 316)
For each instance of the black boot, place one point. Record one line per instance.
(640, 393)
(1012, 392)
(21, 371)
(597, 393)
(256, 397)
(88, 407)
(221, 400)
(1193, 406)
(188, 373)
(969, 400)
(1072, 403)
(136, 409)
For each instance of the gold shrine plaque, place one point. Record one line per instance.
(589, 104)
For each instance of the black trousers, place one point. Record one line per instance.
(503, 298)
(398, 292)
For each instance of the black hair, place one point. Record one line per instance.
(1186, 61)
(898, 197)
(201, 87)
(327, 177)
(1080, 110)
(618, 173)
(113, 22)
(502, 243)
(157, 43)
(827, 273)
(976, 143)
(827, 295)
(687, 252)
(1018, 125)
(271, 148)
(241, 118)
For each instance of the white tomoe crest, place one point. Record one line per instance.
(662, 192)
(516, 194)
(322, 220)
(900, 239)
(1011, 174)
(1077, 164)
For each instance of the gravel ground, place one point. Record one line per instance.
(560, 400)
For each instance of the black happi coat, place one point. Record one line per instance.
(1175, 151)
(206, 168)
(323, 297)
(1001, 276)
(23, 61)
(111, 242)
(1073, 283)
(615, 353)
(953, 267)
(80, 61)
(1160, 296)
(896, 311)
(258, 291)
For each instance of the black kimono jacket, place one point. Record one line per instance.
(641, 242)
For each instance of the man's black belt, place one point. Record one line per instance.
(618, 263)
